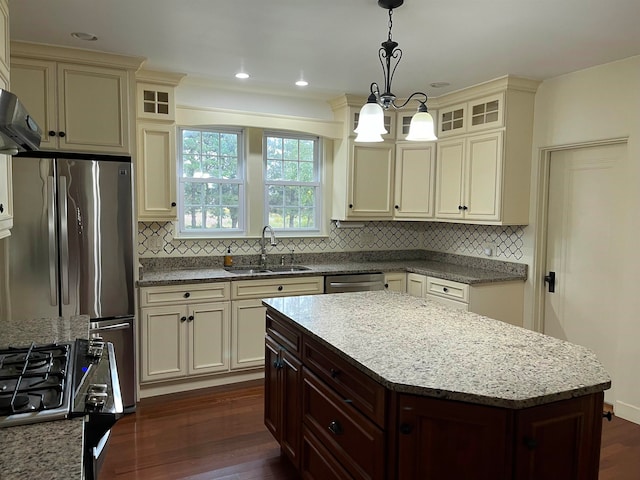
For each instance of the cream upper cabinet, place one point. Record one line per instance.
(156, 134)
(469, 178)
(363, 182)
(80, 99)
(156, 172)
(483, 160)
(414, 181)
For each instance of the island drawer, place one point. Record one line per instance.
(317, 461)
(282, 332)
(354, 386)
(187, 293)
(355, 441)
(448, 289)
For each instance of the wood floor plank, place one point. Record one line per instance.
(219, 434)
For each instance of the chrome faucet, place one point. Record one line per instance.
(263, 247)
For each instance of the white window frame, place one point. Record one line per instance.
(317, 184)
(241, 181)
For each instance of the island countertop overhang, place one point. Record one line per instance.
(412, 345)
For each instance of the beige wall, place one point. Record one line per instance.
(599, 104)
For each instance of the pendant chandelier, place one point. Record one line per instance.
(371, 119)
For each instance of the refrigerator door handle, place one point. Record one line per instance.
(64, 239)
(51, 230)
(117, 326)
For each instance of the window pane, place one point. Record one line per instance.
(305, 172)
(291, 196)
(228, 167)
(274, 170)
(290, 171)
(190, 162)
(210, 143)
(193, 193)
(229, 195)
(308, 197)
(229, 144)
(275, 195)
(274, 148)
(307, 150)
(275, 217)
(210, 167)
(290, 149)
(307, 218)
(192, 217)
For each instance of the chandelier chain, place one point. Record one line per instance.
(390, 22)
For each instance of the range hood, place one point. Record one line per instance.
(19, 132)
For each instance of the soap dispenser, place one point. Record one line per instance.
(228, 258)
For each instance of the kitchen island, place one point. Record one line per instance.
(49, 450)
(384, 385)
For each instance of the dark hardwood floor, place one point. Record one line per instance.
(218, 434)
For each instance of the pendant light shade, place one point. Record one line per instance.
(421, 128)
(370, 122)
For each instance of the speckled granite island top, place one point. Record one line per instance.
(47, 450)
(413, 345)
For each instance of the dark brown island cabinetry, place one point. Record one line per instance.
(336, 421)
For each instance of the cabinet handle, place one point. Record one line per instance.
(62, 134)
(173, 204)
(530, 443)
(52, 133)
(335, 428)
(191, 317)
(334, 373)
(445, 289)
(280, 287)
(405, 428)
(187, 295)
(183, 319)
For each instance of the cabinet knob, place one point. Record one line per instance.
(183, 319)
(173, 204)
(465, 207)
(405, 428)
(459, 207)
(335, 428)
(280, 287)
(351, 205)
(191, 318)
(187, 294)
(52, 133)
(397, 207)
(386, 285)
(445, 289)
(334, 372)
(1, 208)
(62, 134)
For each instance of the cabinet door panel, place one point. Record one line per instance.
(163, 343)
(449, 178)
(34, 82)
(156, 168)
(208, 337)
(272, 395)
(484, 177)
(93, 110)
(372, 177)
(415, 169)
(416, 285)
(291, 406)
(247, 334)
(443, 439)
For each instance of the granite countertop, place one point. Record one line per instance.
(49, 450)
(469, 274)
(413, 345)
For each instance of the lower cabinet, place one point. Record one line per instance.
(335, 422)
(183, 340)
(500, 300)
(247, 334)
(395, 281)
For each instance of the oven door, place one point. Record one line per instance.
(94, 457)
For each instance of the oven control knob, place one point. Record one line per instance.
(97, 388)
(95, 348)
(96, 400)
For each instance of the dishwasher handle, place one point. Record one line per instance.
(354, 284)
(117, 326)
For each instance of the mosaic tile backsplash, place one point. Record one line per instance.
(156, 240)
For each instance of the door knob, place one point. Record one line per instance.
(551, 280)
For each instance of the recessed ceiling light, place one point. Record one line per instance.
(242, 75)
(89, 37)
(302, 83)
(439, 84)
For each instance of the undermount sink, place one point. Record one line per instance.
(273, 269)
(289, 268)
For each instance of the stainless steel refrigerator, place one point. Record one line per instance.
(71, 247)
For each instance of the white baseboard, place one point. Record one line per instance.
(628, 412)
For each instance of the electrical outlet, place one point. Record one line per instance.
(489, 249)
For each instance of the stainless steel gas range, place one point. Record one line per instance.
(40, 383)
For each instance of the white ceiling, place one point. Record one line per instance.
(333, 44)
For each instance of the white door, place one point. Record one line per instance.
(583, 215)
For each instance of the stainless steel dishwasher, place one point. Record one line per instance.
(353, 282)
